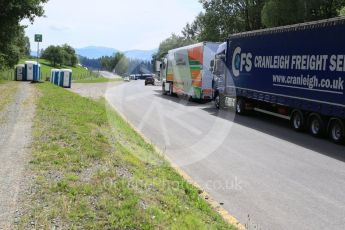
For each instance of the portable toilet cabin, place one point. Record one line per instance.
(32, 71)
(20, 73)
(65, 78)
(54, 77)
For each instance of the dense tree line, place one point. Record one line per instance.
(90, 63)
(117, 63)
(221, 18)
(225, 17)
(13, 43)
(60, 55)
(137, 66)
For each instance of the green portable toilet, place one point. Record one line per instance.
(20, 73)
(65, 78)
(32, 71)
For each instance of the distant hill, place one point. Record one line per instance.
(95, 51)
(140, 54)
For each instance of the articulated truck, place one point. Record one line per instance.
(186, 71)
(293, 72)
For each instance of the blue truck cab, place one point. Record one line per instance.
(294, 72)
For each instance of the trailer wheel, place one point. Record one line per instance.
(337, 131)
(316, 125)
(297, 121)
(240, 106)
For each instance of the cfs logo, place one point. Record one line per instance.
(241, 62)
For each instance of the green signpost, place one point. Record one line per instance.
(38, 39)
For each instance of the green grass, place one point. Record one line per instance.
(78, 71)
(92, 171)
(7, 92)
(6, 75)
(97, 80)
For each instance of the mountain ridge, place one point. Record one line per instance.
(95, 52)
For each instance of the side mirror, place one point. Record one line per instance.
(212, 64)
(222, 57)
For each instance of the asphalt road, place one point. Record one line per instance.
(267, 176)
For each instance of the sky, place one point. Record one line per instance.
(120, 24)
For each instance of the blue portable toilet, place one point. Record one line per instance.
(54, 77)
(20, 73)
(32, 71)
(65, 78)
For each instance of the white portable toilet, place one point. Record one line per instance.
(20, 73)
(32, 71)
(54, 77)
(65, 78)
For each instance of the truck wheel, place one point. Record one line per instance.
(217, 102)
(316, 125)
(163, 90)
(240, 106)
(171, 91)
(297, 121)
(337, 131)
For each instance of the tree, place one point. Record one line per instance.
(54, 54)
(11, 33)
(225, 17)
(281, 12)
(27, 46)
(122, 64)
(60, 55)
(285, 12)
(118, 63)
(70, 57)
(342, 12)
(192, 31)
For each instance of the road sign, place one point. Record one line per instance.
(38, 37)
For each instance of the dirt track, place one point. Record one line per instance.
(15, 149)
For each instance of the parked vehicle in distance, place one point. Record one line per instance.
(126, 79)
(186, 71)
(149, 81)
(293, 72)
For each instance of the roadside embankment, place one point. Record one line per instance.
(92, 171)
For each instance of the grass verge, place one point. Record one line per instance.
(7, 91)
(89, 173)
(97, 80)
(6, 75)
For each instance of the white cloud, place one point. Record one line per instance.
(121, 24)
